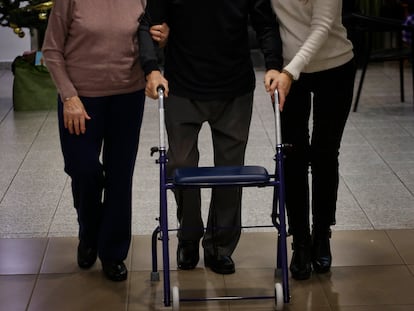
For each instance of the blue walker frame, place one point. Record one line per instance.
(208, 177)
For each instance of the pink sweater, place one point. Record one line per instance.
(90, 47)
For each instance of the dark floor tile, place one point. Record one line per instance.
(363, 247)
(21, 256)
(78, 291)
(193, 285)
(60, 256)
(403, 241)
(15, 291)
(369, 286)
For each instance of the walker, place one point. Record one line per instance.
(209, 177)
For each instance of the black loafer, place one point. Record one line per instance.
(321, 252)
(300, 265)
(86, 256)
(188, 254)
(115, 270)
(220, 264)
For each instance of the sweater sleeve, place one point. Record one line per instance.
(54, 47)
(265, 24)
(155, 14)
(324, 13)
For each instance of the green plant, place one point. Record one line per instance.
(32, 14)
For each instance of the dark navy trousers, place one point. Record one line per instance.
(101, 165)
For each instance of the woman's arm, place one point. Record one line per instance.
(54, 47)
(324, 13)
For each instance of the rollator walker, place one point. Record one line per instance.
(222, 176)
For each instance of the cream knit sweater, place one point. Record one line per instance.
(313, 36)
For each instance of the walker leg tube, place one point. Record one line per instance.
(282, 247)
(154, 240)
(164, 233)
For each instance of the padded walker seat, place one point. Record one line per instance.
(221, 176)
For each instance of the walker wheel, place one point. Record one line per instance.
(175, 299)
(278, 297)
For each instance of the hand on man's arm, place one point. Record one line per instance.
(159, 33)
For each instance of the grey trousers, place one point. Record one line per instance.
(229, 121)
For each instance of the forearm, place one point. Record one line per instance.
(265, 24)
(155, 14)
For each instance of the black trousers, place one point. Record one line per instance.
(332, 92)
(102, 190)
(229, 122)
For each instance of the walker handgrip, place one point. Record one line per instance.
(160, 90)
(277, 118)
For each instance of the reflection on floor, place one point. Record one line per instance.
(373, 267)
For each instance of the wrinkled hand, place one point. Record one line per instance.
(160, 34)
(75, 115)
(154, 80)
(276, 80)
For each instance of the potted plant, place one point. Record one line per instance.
(33, 88)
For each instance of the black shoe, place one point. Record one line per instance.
(300, 265)
(321, 251)
(86, 256)
(115, 270)
(220, 264)
(187, 254)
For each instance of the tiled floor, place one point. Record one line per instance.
(373, 266)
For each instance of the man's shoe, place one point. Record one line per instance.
(86, 256)
(220, 264)
(321, 251)
(115, 270)
(300, 265)
(187, 254)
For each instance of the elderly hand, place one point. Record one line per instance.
(74, 115)
(276, 80)
(160, 34)
(154, 80)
